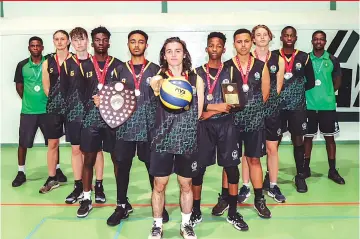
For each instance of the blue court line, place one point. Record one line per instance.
(36, 228)
(117, 234)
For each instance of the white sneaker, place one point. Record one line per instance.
(156, 232)
(187, 231)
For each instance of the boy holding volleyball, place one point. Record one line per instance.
(217, 132)
(174, 137)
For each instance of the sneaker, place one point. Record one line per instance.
(244, 194)
(238, 222)
(156, 232)
(85, 208)
(276, 194)
(266, 183)
(307, 172)
(196, 217)
(99, 194)
(60, 176)
(335, 176)
(115, 218)
(261, 208)
(75, 195)
(187, 231)
(128, 206)
(19, 179)
(300, 183)
(221, 206)
(165, 216)
(49, 185)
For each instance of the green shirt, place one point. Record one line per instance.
(322, 96)
(34, 99)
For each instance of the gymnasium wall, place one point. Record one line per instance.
(20, 24)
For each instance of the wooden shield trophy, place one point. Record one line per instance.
(117, 103)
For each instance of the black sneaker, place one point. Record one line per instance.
(307, 172)
(261, 208)
(19, 179)
(244, 194)
(221, 206)
(300, 183)
(99, 193)
(165, 216)
(128, 206)
(276, 194)
(156, 232)
(75, 195)
(335, 176)
(187, 231)
(115, 218)
(238, 222)
(196, 217)
(60, 176)
(266, 183)
(85, 208)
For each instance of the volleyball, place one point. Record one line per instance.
(176, 93)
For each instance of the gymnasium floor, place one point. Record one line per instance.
(327, 211)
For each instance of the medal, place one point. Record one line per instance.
(101, 74)
(318, 82)
(137, 80)
(245, 77)
(288, 75)
(100, 86)
(211, 87)
(288, 64)
(37, 88)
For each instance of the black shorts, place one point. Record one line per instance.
(294, 121)
(273, 127)
(325, 120)
(95, 139)
(54, 126)
(73, 132)
(254, 143)
(29, 124)
(164, 164)
(125, 150)
(218, 140)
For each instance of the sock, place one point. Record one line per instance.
(21, 168)
(57, 166)
(258, 193)
(331, 164)
(121, 205)
(196, 204)
(299, 158)
(246, 185)
(98, 183)
(232, 200)
(224, 191)
(306, 163)
(272, 185)
(185, 218)
(87, 195)
(158, 221)
(78, 182)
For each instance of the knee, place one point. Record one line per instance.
(75, 151)
(254, 161)
(198, 180)
(159, 186)
(232, 174)
(329, 140)
(297, 141)
(53, 144)
(185, 186)
(271, 150)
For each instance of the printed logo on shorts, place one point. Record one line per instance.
(194, 166)
(237, 144)
(235, 154)
(148, 80)
(257, 75)
(278, 132)
(304, 126)
(273, 69)
(336, 126)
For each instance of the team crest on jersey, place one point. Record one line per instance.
(304, 126)
(257, 75)
(194, 166)
(273, 69)
(234, 154)
(226, 81)
(72, 73)
(194, 90)
(148, 80)
(298, 66)
(278, 132)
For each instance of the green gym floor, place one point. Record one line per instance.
(327, 211)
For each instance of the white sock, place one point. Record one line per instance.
(158, 222)
(272, 185)
(57, 166)
(246, 185)
(22, 168)
(87, 195)
(185, 218)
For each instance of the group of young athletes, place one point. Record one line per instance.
(278, 91)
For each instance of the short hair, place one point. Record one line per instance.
(288, 27)
(219, 35)
(35, 38)
(139, 32)
(318, 31)
(98, 30)
(271, 36)
(78, 32)
(63, 32)
(241, 31)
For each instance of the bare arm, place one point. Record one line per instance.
(280, 75)
(265, 83)
(45, 78)
(200, 95)
(20, 89)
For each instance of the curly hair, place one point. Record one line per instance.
(186, 61)
(100, 29)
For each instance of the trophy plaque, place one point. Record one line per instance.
(231, 94)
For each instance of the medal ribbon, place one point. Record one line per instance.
(101, 75)
(245, 77)
(267, 56)
(77, 59)
(136, 81)
(57, 61)
(288, 65)
(211, 89)
(183, 74)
